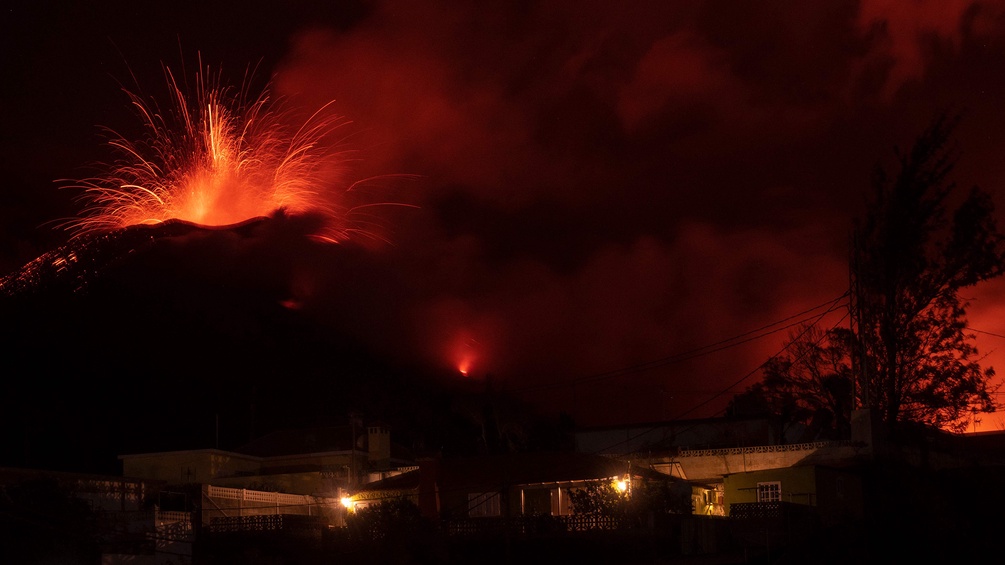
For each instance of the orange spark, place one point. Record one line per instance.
(216, 159)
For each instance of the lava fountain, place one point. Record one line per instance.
(218, 158)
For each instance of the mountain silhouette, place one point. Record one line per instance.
(178, 336)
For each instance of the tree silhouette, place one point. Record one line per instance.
(908, 354)
(808, 385)
(919, 244)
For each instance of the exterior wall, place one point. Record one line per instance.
(840, 495)
(312, 483)
(349, 467)
(453, 502)
(798, 485)
(710, 465)
(220, 502)
(329, 460)
(192, 466)
(320, 473)
(837, 494)
(317, 473)
(708, 501)
(379, 446)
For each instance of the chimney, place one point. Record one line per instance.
(379, 446)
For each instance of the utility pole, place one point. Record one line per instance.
(354, 419)
(860, 368)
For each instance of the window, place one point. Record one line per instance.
(769, 492)
(482, 504)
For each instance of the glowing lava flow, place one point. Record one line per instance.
(464, 353)
(217, 160)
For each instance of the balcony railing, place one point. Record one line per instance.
(769, 510)
(808, 446)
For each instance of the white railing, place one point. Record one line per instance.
(168, 517)
(264, 497)
(809, 446)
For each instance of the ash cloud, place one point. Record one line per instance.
(598, 189)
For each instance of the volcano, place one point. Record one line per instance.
(178, 336)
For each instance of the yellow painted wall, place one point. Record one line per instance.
(836, 493)
(798, 485)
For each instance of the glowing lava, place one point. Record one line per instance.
(464, 353)
(218, 159)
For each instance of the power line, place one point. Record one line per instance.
(693, 353)
(973, 329)
(831, 306)
(806, 329)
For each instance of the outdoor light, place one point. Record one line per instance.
(622, 484)
(347, 502)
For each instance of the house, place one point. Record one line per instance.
(319, 461)
(827, 479)
(512, 485)
(726, 458)
(288, 477)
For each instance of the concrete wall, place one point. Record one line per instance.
(191, 466)
(220, 502)
(712, 464)
(313, 483)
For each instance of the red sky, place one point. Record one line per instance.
(595, 189)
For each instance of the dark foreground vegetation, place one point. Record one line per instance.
(912, 514)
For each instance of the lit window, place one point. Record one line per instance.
(482, 504)
(769, 492)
